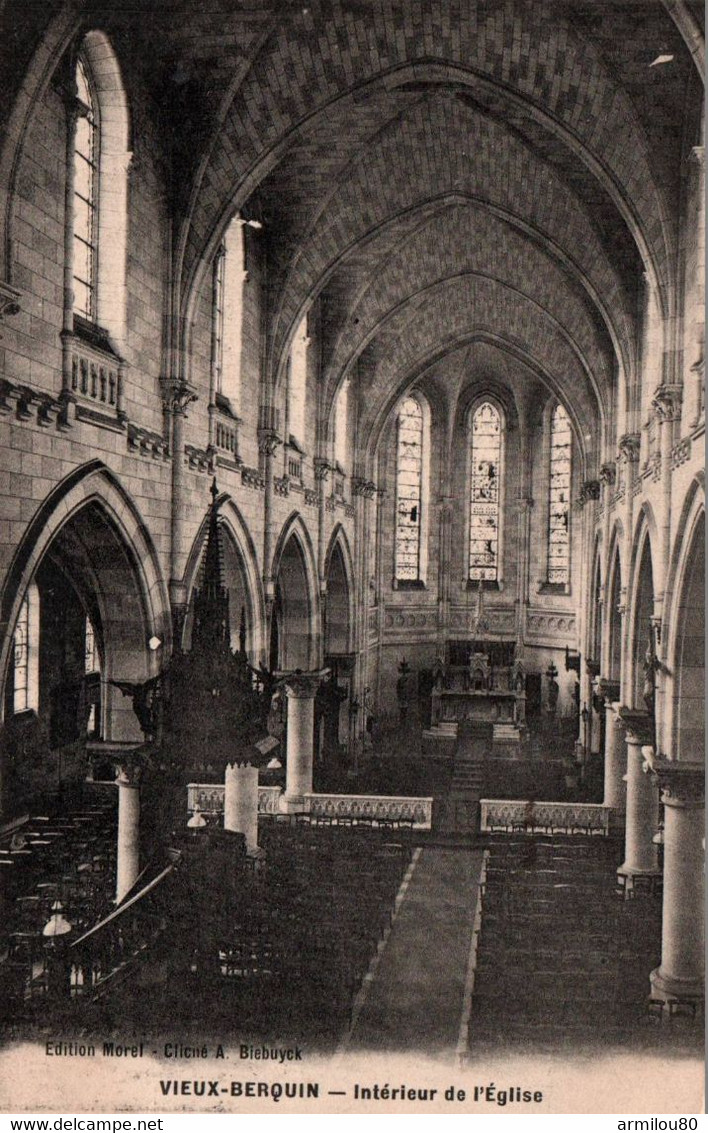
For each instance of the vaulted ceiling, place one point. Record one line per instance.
(437, 172)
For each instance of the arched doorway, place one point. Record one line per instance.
(689, 704)
(81, 623)
(291, 643)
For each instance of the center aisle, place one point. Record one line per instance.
(415, 999)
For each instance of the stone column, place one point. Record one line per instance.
(642, 820)
(241, 802)
(268, 441)
(128, 857)
(682, 931)
(177, 395)
(615, 793)
(300, 689)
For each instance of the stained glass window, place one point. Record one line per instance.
(26, 653)
(92, 660)
(298, 382)
(217, 331)
(559, 498)
(486, 470)
(22, 658)
(85, 198)
(341, 431)
(409, 484)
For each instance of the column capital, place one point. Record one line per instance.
(300, 685)
(666, 401)
(638, 725)
(322, 468)
(628, 446)
(363, 487)
(268, 441)
(589, 490)
(128, 773)
(608, 473)
(177, 394)
(607, 689)
(698, 156)
(682, 782)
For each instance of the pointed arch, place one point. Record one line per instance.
(640, 603)
(295, 615)
(243, 550)
(338, 610)
(687, 548)
(90, 522)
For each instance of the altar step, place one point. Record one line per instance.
(468, 778)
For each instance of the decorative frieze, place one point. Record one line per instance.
(551, 624)
(252, 478)
(199, 458)
(281, 485)
(681, 452)
(147, 443)
(310, 496)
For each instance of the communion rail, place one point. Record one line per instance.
(208, 799)
(521, 816)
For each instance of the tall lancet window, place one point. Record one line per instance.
(297, 383)
(486, 468)
(85, 198)
(409, 491)
(227, 315)
(26, 654)
(559, 498)
(341, 427)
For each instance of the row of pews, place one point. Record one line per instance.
(559, 951)
(55, 871)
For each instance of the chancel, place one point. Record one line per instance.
(352, 523)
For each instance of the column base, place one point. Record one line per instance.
(292, 804)
(626, 870)
(668, 988)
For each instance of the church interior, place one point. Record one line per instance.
(352, 522)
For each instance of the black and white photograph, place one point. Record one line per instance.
(352, 556)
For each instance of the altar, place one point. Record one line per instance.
(489, 689)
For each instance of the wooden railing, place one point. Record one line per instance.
(525, 817)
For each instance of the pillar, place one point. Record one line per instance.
(128, 857)
(642, 822)
(241, 802)
(615, 795)
(680, 974)
(268, 441)
(176, 396)
(300, 690)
